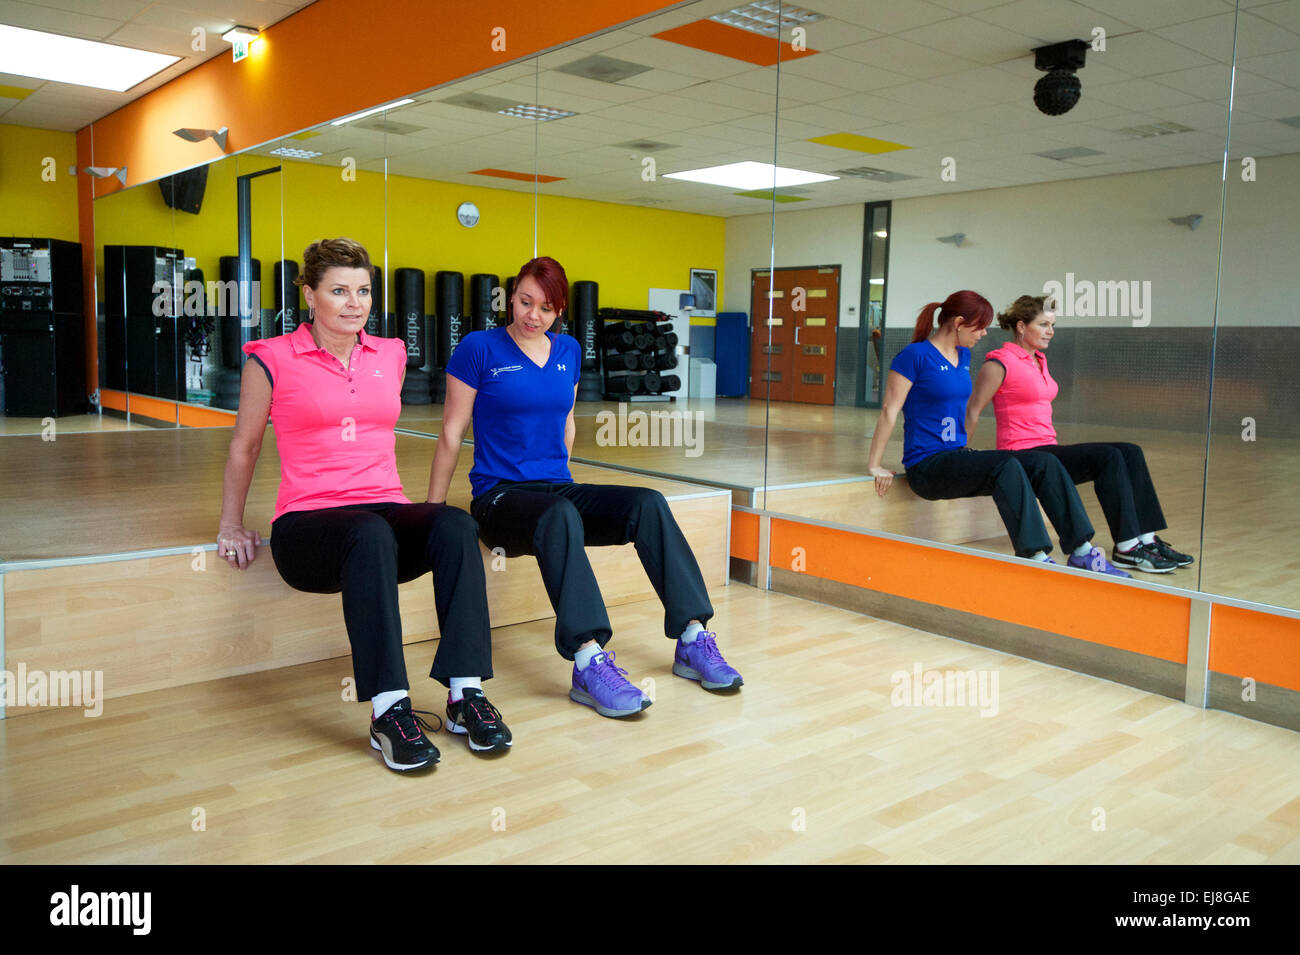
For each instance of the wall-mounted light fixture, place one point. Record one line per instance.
(191, 135)
(239, 38)
(103, 172)
(957, 238)
(1191, 221)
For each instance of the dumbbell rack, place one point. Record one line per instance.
(638, 353)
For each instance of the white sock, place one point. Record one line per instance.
(1148, 538)
(585, 655)
(692, 631)
(1130, 543)
(1084, 549)
(1040, 555)
(380, 702)
(460, 683)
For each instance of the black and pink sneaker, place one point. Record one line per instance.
(398, 734)
(479, 722)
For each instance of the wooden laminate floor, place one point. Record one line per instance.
(810, 762)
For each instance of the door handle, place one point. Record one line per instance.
(796, 334)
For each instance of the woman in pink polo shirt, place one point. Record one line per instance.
(341, 521)
(1016, 379)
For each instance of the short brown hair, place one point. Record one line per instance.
(327, 254)
(1025, 309)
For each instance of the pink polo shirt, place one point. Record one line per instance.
(1023, 405)
(334, 425)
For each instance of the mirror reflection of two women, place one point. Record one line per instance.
(930, 383)
(342, 523)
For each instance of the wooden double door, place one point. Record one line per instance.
(792, 356)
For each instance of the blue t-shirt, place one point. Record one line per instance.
(520, 410)
(934, 413)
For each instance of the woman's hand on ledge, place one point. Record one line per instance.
(237, 545)
(884, 479)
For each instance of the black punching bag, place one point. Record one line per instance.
(288, 313)
(414, 325)
(448, 317)
(583, 303)
(379, 323)
(482, 286)
(225, 385)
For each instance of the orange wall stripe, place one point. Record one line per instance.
(744, 535)
(113, 399)
(1263, 646)
(714, 37)
(156, 408)
(192, 417)
(1126, 618)
(396, 48)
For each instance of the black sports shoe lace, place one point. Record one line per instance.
(493, 714)
(410, 722)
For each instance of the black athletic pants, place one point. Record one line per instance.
(365, 551)
(554, 522)
(1122, 481)
(1017, 481)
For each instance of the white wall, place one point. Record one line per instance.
(1106, 228)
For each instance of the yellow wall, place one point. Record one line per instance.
(625, 248)
(31, 206)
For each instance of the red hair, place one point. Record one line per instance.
(973, 308)
(549, 274)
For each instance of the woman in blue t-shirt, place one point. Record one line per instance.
(519, 383)
(930, 382)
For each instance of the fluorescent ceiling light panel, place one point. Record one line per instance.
(370, 112)
(532, 111)
(65, 59)
(766, 17)
(749, 176)
(290, 153)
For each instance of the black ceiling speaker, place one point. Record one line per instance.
(1060, 89)
(184, 191)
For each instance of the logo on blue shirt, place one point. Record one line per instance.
(497, 371)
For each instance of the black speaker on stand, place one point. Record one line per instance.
(225, 385)
(408, 292)
(448, 329)
(584, 301)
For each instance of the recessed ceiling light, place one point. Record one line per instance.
(65, 59)
(291, 153)
(750, 175)
(532, 111)
(767, 17)
(1154, 129)
(370, 112)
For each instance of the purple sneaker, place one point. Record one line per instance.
(1096, 561)
(605, 687)
(702, 660)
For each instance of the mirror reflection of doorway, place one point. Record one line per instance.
(871, 337)
(793, 353)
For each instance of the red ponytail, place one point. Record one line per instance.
(974, 309)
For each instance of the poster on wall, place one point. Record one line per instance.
(704, 286)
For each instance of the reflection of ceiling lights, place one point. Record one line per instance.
(64, 59)
(875, 281)
(750, 175)
(371, 112)
(290, 153)
(767, 17)
(542, 114)
(881, 233)
(873, 174)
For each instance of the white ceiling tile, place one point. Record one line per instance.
(1213, 36)
(1140, 94)
(1283, 68)
(832, 69)
(1149, 14)
(1286, 13)
(896, 55)
(1275, 104)
(33, 17)
(972, 39)
(1211, 82)
(830, 34)
(1145, 54)
(1052, 21)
